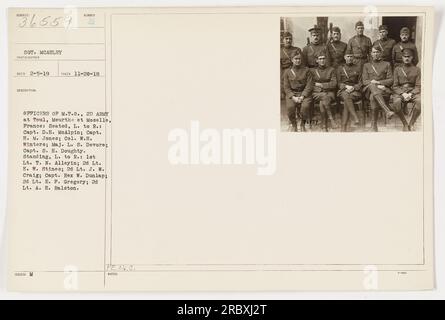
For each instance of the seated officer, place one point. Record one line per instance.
(325, 84)
(407, 88)
(298, 88)
(311, 51)
(377, 79)
(349, 78)
(404, 43)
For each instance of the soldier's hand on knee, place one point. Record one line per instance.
(296, 99)
(381, 87)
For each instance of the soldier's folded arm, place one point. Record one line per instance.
(332, 84)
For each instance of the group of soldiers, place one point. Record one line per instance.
(324, 73)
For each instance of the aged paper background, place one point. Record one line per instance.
(308, 226)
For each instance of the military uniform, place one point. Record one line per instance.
(382, 72)
(312, 51)
(397, 53)
(337, 51)
(286, 55)
(349, 75)
(407, 79)
(298, 82)
(361, 48)
(386, 45)
(325, 95)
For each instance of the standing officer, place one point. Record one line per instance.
(349, 78)
(312, 50)
(325, 83)
(404, 43)
(286, 53)
(406, 88)
(385, 43)
(377, 79)
(360, 45)
(337, 48)
(298, 87)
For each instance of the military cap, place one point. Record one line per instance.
(321, 53)
(287, 34)
(383, 27)
(359, 24)
(315, 29)
(408, 52)
(349, 51)
(336, 29)
(404, 30)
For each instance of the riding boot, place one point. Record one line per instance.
(323, 121)
(374, 115)
(303, 125)
(403, 119)
(344, 119)
(331, 118)
(351, 109)
(416, 114)
(382, 103)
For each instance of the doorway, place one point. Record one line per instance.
(396, 23)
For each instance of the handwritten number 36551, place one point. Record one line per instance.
(48, 21)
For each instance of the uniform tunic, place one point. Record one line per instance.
(298, 82)
(407, 79)
(327, 77)
(337, 52)
(350, 75)
(380, 71)
(286, 55)
(361, 48)
(310, 53)
(397, 53)
(386, 46)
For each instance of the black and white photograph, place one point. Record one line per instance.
(350, 74)
(161, 151)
